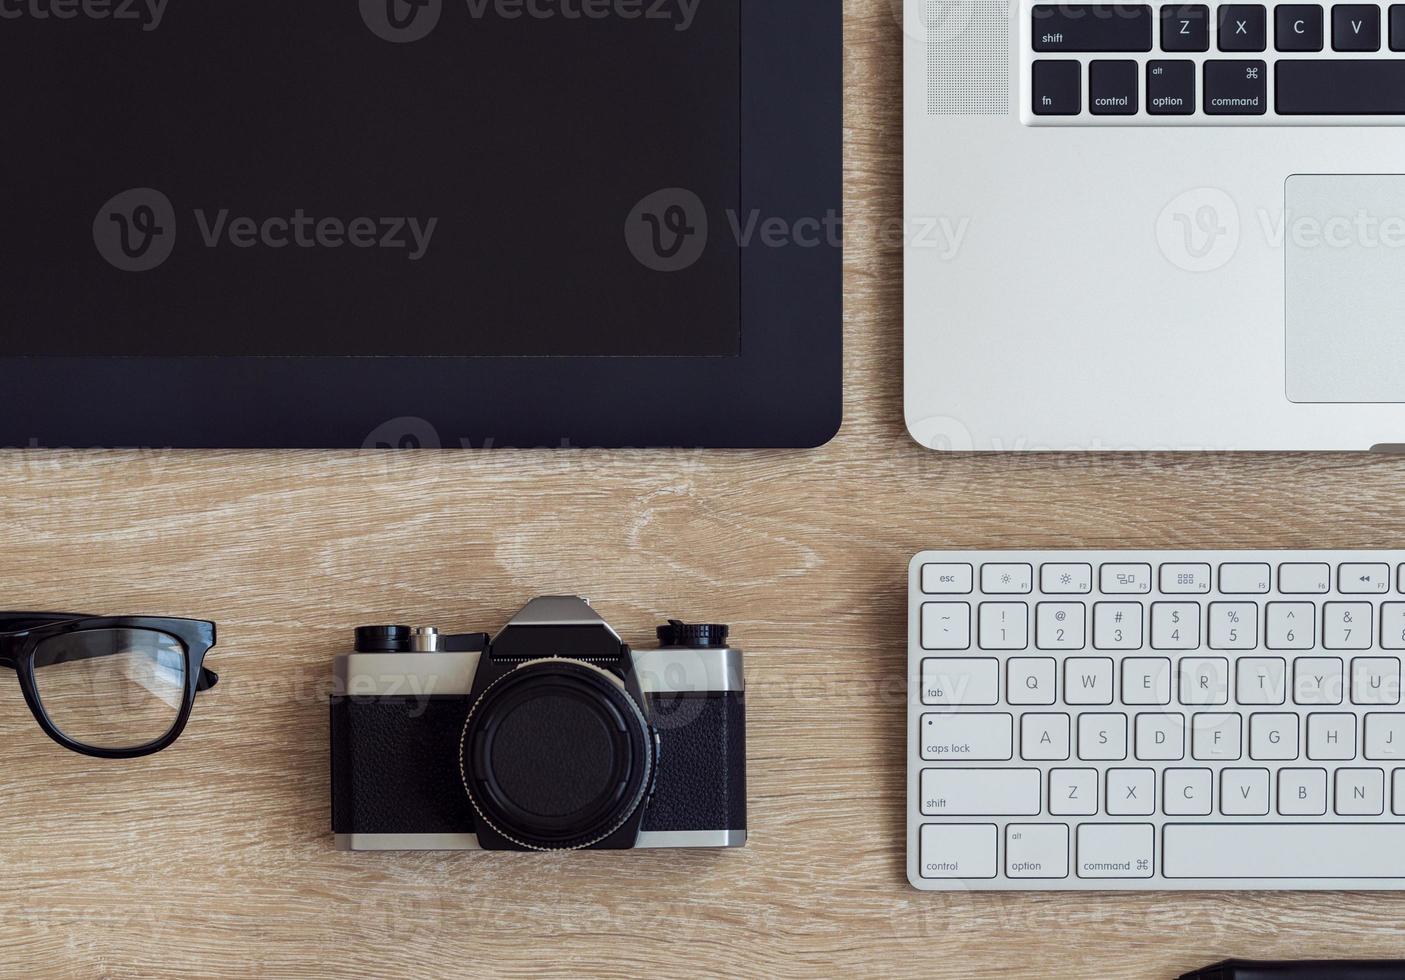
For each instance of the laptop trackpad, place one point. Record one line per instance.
(1345, 301)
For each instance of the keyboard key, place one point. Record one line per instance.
(946, 579)
(1088, 680)
(1044, 737)
(1286, 850)
(1185, 28)
(1397, 793)
(956, 850)
(1146, 680)
(1339, 87)
(1004, 625)
(1375, 680)
(1244, 792)
(1261, 680)
(946, 625)
(1297, 27)
(1304, 578)
(1113, 850)
(1331, 737)
(1117, 625)
(1131, 579)
(966, 735)
(1058, 88)
(956, 681)
(1161, 738)
(1036, 850)
(1175, 625)
(1102, 737)
(1066, 578)
(1234, 625)
(1188, 792)
(1393, 625)
(1091, 27)
(1360, 792)
(1061, 626)
(1356, 27)
(1302, 792)
(1347, 625)
(1360, 578)
(1215, 737)
(1397, 27)
(1073, 792)
(1112, 88)
(1273, 736)
(981, 792)
(1317, 680)
(1290, 626)
(1204, 680)
(1007, 578)
(1241, 578)
(1385, 736)
(1031, 680)
(1131, 792)
(1187, 579)
(1243, 27)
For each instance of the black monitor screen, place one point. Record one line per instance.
(382, 177)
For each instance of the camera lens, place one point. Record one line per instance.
(556, 755)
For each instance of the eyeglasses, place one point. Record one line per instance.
(112, 687)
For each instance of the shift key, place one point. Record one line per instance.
(1092, 27)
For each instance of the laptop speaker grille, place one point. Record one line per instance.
(968, 57)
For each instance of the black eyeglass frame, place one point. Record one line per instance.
(22, 632)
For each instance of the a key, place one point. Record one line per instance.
(1397, 793)
(1060, 626)
(1397, 27)
(1088, 680)
(1091, 27)
(1304, 578)
(1317, 680)
(1346, 625)
(1117, 625)
(1146, 680)
(1004, 625)
(1375, 680)
(1215, 737)
(1234, 625)
(1356, 27)
(1112, 88)
(1073, 792)
(1130, 579)
(1184, 578)
(1328, 86)
(1244, 578)
(1204, 680)
(1066, 578)
(1243, 27)
(1175, 625)
(1185, 28)
(1031, 680)
(1102, 737)
(1284, 850)
(967, 736)
(1244, 792)
(1131, 792)
(1393, 620)
(1044, 737)
(946, 625)
(1116, 850)
(1363, 578)
(1360, 792)
(1297, 27)
(1188, 792)
(1290, 626)
(954, 850)
(1036, 850)
(1273, 736)
(1302, 792)
(1236, 88)
(1331, 737)
(949, 579)
(1161, 737)
(1385, 736)
(956, 681)
(980, 792)
(1013, 578)
(1261, 680)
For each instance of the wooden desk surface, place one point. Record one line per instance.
(215, 858)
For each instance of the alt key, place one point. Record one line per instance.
(1170, 88)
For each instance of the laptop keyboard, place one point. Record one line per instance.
(1215, 63)
(1156, 720)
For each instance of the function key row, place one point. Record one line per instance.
(1176, 578)
(1100, 28)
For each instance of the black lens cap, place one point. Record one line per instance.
(556, 755)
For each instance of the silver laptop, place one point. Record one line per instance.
(1154, 226)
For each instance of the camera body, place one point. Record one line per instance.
(551, 735)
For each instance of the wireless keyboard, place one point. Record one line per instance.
(1204, 63)
(1156, 720)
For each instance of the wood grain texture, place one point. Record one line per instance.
(215, 859)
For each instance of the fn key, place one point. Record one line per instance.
(1058, 88)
